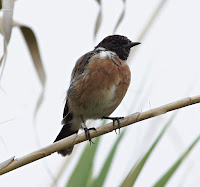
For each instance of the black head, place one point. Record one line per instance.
(121, 45)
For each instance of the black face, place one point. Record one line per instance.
(121, 45)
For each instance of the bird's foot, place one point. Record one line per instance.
(114, 119)
(87, 134)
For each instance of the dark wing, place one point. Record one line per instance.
(81, 64)
(66, 109)
(67, 115)
(76, 74)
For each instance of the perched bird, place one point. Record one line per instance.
(99, 82)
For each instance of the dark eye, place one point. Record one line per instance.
(114, 41)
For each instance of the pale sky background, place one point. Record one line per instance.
(169, 56)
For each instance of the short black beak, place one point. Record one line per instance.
(132, 44)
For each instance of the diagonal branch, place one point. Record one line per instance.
(75, 139)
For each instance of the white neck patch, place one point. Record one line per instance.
(104, 53)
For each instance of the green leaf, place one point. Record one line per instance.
(135, 171)
(82, 173)
(165, 178)
(0, 4)
(99, 181)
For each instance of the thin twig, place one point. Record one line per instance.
(75, 139)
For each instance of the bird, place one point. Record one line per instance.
(99, 82)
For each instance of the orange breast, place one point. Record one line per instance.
(101, 89)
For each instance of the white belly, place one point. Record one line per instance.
(100, 104)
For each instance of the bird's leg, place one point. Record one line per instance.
(114, 119)
(87, 133)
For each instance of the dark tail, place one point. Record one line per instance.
(65, 132)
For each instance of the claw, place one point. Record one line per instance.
(114, 119)
(87, 134)
(92, 128)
